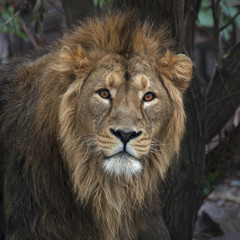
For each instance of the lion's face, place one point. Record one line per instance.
(124, 105)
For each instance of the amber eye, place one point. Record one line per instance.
(104, 93)
(148, 97)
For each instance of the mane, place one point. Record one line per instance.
(121, 33)
(117, 32)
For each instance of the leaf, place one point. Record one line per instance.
(209, 183)
(13, 25)
(227, 32)
(229, 12)
(100, 3)
(205, 4)
(37, 14)
(7, 13)
(212, 177)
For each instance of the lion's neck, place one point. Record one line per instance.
(116, 204)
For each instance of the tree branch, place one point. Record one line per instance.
(222, 99)
(230, 22)
(56, 8)
(215, 13)
(30, 36)
(10, 19)
(225, 156)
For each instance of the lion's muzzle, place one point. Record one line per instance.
(125, 161)
(125, 137)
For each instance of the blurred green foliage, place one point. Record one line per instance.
(205, 17)
(37, 14)
(209, 183)
(103, 3)
(227, 10)
(10, 23)
(99, 3)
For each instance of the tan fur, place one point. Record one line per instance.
(100, 53)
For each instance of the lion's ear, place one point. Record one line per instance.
(70, 60)
(177, 68)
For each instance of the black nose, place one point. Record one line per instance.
(125, 137)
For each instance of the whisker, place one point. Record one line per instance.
(158, 142)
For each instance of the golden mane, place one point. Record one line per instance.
(119, 33)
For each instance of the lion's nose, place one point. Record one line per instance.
(125, 137)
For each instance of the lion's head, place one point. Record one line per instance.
(122, 118)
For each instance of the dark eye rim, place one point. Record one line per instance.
(104, 89)
(153, 96)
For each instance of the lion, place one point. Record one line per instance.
(88, 129)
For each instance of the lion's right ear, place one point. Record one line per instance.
(177, 68)
(70, 60)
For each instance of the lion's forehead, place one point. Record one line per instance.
(115, 71)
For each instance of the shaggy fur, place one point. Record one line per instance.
(55, 139)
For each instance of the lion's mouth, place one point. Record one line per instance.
(122, 164)
(123, 155)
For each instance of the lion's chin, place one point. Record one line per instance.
(122, 164)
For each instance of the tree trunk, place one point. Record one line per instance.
(76, 9)
(182, 195)
(223, 96)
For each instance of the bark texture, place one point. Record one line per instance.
(223, 96)
(225, 157)
(75, 10)
(181, 196)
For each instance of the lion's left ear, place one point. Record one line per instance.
(177, 68)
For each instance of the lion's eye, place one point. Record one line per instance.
(148, 97)
(104, 93)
